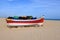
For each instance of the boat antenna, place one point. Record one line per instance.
(42, 16)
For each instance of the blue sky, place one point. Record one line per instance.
(49, 8)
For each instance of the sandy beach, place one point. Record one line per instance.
(50, 31)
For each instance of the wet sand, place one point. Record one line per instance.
(50, 31)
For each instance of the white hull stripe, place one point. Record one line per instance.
(19, 24)
(27, 20)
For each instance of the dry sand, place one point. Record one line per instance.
(50, 31)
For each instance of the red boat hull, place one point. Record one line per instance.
(25, 22)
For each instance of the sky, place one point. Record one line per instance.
(49, 8)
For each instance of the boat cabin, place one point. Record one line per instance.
(22, 17)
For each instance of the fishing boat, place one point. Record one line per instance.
(24, 21)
